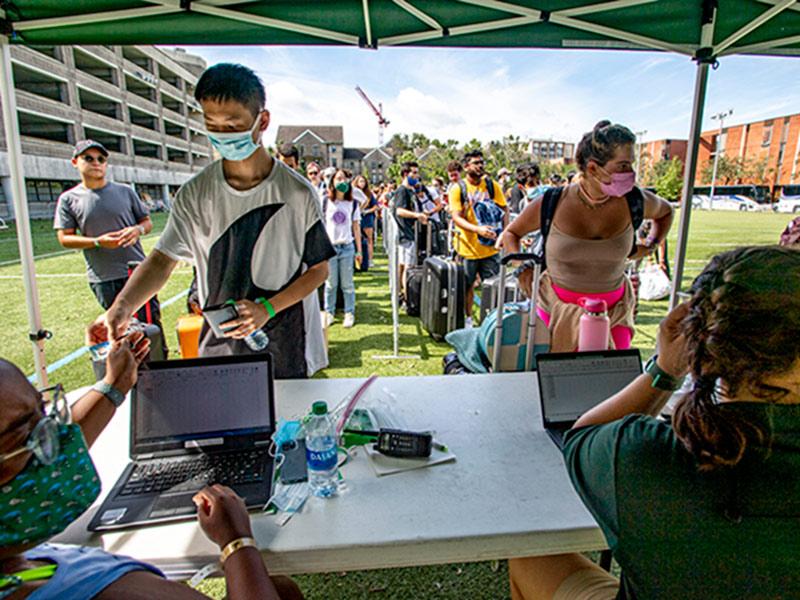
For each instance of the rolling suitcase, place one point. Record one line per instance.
(516, 328)
(414, 277)
(489, 289)
(443, 288)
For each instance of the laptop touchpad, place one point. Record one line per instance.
(170, 506)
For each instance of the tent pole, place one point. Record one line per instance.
(689, 171)
(9, 103)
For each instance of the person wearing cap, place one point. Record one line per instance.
(289, 155)
(504, 177)
(106, 220)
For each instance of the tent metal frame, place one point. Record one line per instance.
(705, 53)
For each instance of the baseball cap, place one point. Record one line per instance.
(85, 145)
(503, 171)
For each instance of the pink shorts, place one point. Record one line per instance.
(622, 335)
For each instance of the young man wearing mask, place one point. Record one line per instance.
(407, 211)
(251, 226)
(471, 204)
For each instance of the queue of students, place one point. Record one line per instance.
(679, 501)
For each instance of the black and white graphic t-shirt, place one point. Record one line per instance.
(252, 243)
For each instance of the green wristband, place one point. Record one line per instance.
(268, 305)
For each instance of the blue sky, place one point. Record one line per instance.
(461, 94)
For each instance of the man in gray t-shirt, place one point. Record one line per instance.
(105, 220)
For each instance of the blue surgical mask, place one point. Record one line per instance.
(237, 145)
(412, 181)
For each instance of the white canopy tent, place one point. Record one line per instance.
(700, 29)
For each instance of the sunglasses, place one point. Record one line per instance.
(90, 159)
(312, 173)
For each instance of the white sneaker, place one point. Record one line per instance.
(329, 319)
(349, 320)
(467, 322)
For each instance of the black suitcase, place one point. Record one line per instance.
(443, 290)
(413, 290)
(489, 289)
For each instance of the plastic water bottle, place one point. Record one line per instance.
(593, 330)
(321, 451)
(257, 341)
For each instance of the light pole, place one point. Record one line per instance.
(721, 117)
(640, 137)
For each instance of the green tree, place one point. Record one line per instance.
(668, 178)
(394, 169)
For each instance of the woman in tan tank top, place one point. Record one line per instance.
(590, 238)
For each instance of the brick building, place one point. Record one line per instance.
(319, 143)
(774, 141)
(658, 150)
(136, 100)
(551, 151)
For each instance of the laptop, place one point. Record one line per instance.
(194, 422)
(570, 383)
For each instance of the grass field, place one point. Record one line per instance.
(68, 305)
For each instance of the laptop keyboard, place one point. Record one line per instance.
(193, 473)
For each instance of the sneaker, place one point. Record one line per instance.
(329, 319)
(349, 320)
(468, 323)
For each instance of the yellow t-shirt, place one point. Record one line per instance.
(467, 244)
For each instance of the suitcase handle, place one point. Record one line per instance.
(521, 256)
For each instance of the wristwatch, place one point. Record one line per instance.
(110, 392)
(661, 379)
(141, 229)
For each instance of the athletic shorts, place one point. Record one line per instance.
(407, 253)
(485, 267)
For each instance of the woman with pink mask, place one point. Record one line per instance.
(589, 232)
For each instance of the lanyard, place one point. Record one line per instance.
(12, 582)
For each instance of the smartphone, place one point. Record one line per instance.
(293, 469)
(215, 316)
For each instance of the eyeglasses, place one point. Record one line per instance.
(312, 173)
(43, 440)
(90, 159)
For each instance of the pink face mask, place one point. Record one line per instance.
(621, 184)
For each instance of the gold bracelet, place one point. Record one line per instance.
(237, 544)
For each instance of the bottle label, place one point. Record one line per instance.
(321, 460)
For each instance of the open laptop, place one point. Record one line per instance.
(194, 422)
(570, 383)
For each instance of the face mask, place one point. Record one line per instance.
(42, 500)
(412, 181)
(343, 186)
(237, 145)
(621, 184)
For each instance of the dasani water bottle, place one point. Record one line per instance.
(321, 451)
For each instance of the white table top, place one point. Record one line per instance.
(507, 494)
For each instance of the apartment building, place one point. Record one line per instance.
(136, 100)
(775, 143)
(658, 150)
(551, 151)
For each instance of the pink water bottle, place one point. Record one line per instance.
(594, 326)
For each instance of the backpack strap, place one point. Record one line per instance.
(490, 188)
(635, 200)
(548, 212)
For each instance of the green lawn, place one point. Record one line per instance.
(68, 305)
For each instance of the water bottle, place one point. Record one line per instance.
(321, 451)
(257, 340)
(593, 330)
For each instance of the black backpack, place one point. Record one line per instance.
(551, 197)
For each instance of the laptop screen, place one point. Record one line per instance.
(571, 383)
(192, 401)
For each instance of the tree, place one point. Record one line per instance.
(394, 169)
(668, 178)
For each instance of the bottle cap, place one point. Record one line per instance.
(594, 305)
(320, 407)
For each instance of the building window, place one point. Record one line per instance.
(333, 162)
(314, 150)
(302, 150)
(333, 148)
(767, 140)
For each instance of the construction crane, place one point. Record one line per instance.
(382, 121)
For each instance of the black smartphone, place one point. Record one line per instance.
(215, 316)
(293, 469)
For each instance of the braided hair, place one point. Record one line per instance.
(742, 328)
(601, 143)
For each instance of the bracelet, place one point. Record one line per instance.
(235, 545)
(96, 243)
(141, 229)
(268, 305)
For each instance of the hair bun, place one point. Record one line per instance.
(601, 124)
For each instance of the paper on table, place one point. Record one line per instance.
(388, 465)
